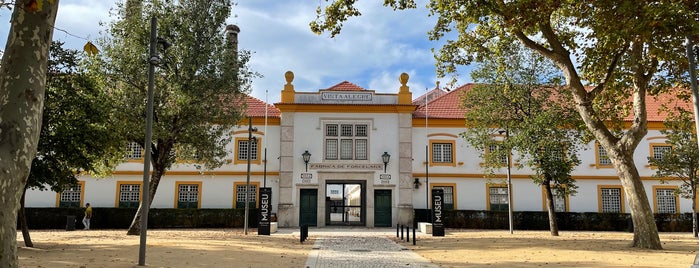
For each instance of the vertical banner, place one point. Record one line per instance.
(437, 217)
(265, 211)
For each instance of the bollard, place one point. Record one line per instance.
(304, 233)
(397, 227)
(407, 233)
(414, 236)
(401, 232)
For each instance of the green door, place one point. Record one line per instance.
(308, 210)
(382, 208)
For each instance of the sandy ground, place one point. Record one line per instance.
(459, 248)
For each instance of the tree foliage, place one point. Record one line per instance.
(518, 100)
(624, 50)
(682, 162)
(199, 82)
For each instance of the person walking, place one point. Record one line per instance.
(88, 216)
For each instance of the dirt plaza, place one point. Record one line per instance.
(459, 248)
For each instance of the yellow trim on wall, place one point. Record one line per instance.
(443, 134)
(201, 173)
(453, 153)
(655, 197)
(599, 196)
(495, 185)
(118, 191)
(543, 199)
(177, 191)
(82, 195)
(357, 108)
(257, 161)
(235, 192)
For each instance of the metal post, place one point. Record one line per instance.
(695, 99)
(427, 182)
(145, 204)
(247, 181)
(509, 188)
(414, 235)
(407, 233)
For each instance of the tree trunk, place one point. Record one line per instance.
(553, 225)
(135, 228)
(644, 228)
(23, 222)
(22, 86)
(695, 228)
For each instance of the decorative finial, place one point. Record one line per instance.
(403, 78)
(289, 76)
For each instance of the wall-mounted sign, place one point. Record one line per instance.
(345, 166)
(385, 178)
(346, 96)
(306, 177)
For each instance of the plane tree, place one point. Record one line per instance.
(612, 54)
(199, 87)
(517, 100)
(22, 84)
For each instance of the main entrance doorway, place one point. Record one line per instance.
(308, 211)
(345, 203)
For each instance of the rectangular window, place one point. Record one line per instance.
(555, 154)
(559, 202)
(243, 150)
(442, 153)
(240, 195)
(495, 148)
(448, 202)
(134, 151)
(72, 197)
(352, 146)
(659, 150)
(665, 200)
(611, 200)
(331, 149)
(498, 199)
(188, 195)
(129, 195)
(602, 157)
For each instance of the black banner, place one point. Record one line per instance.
(437, 216)
(265, 211)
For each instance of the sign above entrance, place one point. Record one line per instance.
(345, 166)
(346, 96)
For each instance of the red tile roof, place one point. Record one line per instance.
(256, 108)
(430, 95)
(448, 106)
(345, 86)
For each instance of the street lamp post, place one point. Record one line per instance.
(251, 140)
(145, 204)
(509, 184)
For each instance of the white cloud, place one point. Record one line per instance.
(371, 51)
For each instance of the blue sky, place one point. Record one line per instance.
(371, 51)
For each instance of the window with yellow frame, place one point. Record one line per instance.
(601, 158)
(560, 202)
(241, 150)
(665, 199)
(442, 152)
(449, 202)
(128, 194)
(239, 190)
(188, 194)
(497, 197)
(71, 197)
(657, 150)
(610, 198)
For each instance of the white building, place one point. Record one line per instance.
(348, 132)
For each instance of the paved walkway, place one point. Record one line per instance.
(361, 247)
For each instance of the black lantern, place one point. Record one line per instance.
(306, 157)
(385, 157)
(417, 183)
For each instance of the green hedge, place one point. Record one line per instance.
(120, 218)
(530, 220)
